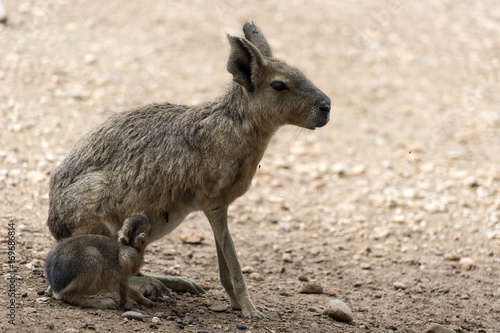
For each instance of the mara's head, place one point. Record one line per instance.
(135, 232)
(274, 86)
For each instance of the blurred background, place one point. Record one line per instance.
(399, 188)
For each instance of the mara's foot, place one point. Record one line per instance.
(252, 313)
(179, 284)
(149, 286)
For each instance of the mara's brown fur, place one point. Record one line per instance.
(164, 161)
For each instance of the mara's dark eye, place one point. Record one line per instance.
(278, 85)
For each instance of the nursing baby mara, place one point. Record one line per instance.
(88, 264)
(164, 161)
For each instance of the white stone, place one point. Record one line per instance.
(466, 264)
(339, 311)
(399, 285)
(247, 270)
(133, 315)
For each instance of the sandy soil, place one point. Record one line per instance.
(382, 207)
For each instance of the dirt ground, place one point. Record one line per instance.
(393, 207)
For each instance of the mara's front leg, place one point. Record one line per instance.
(229, 268)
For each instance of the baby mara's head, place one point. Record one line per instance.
(135, 232)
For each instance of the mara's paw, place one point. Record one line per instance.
(127, 306)
(250, 311)
(254, 313)
(149, 287)
(180, 284)
(145, 301)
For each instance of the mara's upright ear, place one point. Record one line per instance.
(255, 36)
(139, 241)
(244, 60)
(133, 226)
(125, 234)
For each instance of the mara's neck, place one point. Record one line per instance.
(256, 122)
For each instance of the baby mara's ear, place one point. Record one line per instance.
(124, 235)
(139, 241)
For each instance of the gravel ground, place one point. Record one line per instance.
(393, 208)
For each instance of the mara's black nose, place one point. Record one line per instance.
(325, 107)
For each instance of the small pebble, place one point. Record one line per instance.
(3, 14)
(399, 218)
(192, 238)
(465, 296)
(247, 270)
(451, 257)
(409, 193)
(168, 299)
(256, 277)
(90, 327)
(365, 266)
(287, 257)
(311, 288)
(133, 315)
(178, 313)
(399, 285)
(218, 307)
(338, 169)
(444, 290)
(303, 278)
(339, 311)
(89, 58)
(36, 263)
(466, 264)
(156, 321)
(358, 169)
(42, 299)
(241, 327)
